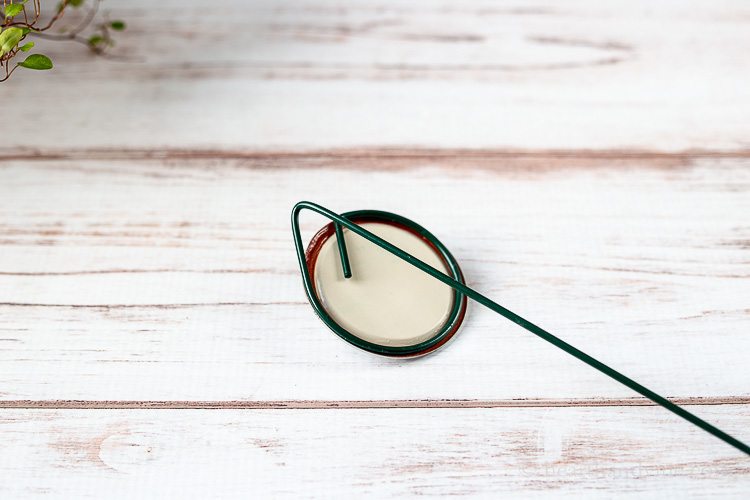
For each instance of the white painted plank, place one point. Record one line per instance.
(667, 76)
(487, 453)
(162, 280)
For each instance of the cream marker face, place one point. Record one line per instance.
(387, 301)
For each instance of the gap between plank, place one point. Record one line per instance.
(21, 154)
(69, 404)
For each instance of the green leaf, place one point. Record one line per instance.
(10, 38)
(117, 25)
(13, 9)
(95, 39)
(27, 47)
(36, 61)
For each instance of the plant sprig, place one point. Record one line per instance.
(13, 32)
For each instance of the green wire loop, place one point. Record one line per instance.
(465, 290)
(433, 342)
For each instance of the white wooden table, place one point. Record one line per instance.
(588, 164)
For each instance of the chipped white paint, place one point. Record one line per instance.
(667, 76)
(163, 281)
(490, 453)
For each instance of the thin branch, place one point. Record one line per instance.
(90, 17)
(57, 16)
(75, 31)
(8, 73)
(99, 42)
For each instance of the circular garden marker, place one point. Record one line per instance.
(387, 306)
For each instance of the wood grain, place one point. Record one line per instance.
(318, 404)
(509, 452)
(586, 162)
(177, 279)
(296, 75)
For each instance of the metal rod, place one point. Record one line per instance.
(460, 287)
(342, 251)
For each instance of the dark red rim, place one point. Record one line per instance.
(311, 257)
